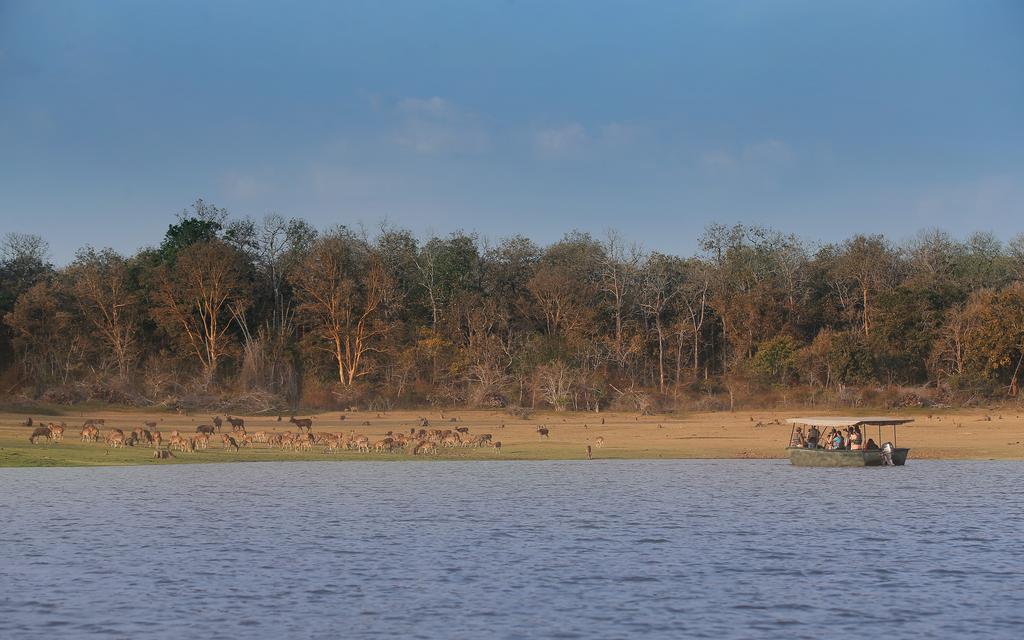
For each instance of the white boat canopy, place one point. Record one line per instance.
(845, 421)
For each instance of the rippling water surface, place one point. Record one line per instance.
(513, 550)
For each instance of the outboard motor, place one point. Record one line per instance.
(887, 450)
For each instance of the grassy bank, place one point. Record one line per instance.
(747, 434)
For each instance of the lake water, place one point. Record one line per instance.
(602, 549)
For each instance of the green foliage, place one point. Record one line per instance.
(776, 359)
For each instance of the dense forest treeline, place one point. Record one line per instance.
(274, 314)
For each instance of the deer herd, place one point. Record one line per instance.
(417, 441)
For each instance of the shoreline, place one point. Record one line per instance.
(753, 434)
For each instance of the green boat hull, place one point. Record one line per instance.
(826, 458)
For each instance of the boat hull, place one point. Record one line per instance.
(827, 458)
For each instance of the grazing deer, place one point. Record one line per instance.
(90, 434)
(543, 432)
(202, 441)
(302, 423)
(599, 442)
(56, 432)
(115, 438)
(361, 444)
(229, 442)
(204, 429)
(158, 438)
(150, 423)
(40, 432)
(497, 447)
(425, 448)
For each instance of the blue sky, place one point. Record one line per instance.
(533, 117)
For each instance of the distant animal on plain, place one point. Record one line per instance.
(236, 422)
(27, 422)
(497, 447)
(115, 438)
(160, 454)
(229, 442)
(150, 423)
(90, 434)
(462, 429)
(205, 429)
(599, 442)
(56, 432)
(217, 422)
(590, 453)
(543, 432)
(39, 432)
(302, 423)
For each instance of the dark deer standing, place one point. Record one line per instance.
(302, 423)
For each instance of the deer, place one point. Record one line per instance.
(302, 423)
(543, 432)
(236, 422)
(40, 432)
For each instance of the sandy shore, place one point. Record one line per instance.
(974, 435)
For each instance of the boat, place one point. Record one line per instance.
(810, 456)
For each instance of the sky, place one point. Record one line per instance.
(531, 117)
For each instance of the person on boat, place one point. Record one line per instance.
(837, 441)
(812, 437)
(856, 439)
(798, 440)
(872, 445)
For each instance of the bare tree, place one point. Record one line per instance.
(195, 299)
(342, 289)
(102, 287)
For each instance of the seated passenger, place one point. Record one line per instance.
(837, 441)
(871, 445)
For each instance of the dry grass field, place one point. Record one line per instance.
(744, 434)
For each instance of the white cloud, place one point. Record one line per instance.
(717, 160)
(435, 125)
(986, 200)
(561, 139)
(770, 153)
(763, 161)
(436, 106)
(620, 133)
(243, 186)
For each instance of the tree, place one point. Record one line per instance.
(342, 290)
(102, 288)
(23, 263)
(870, 263)
(45, 334)
(196, 299)
(202, 224)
